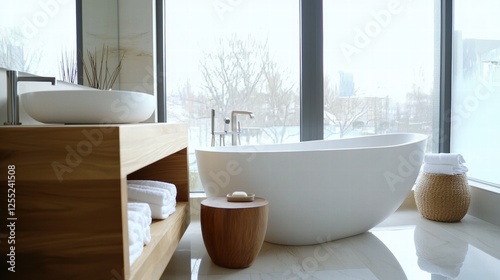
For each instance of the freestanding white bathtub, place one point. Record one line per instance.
(318, 191)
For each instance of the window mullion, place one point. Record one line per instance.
(311, 70)
(445, 76)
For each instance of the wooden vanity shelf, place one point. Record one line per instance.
(71, 198)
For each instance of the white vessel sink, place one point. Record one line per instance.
(88, 106)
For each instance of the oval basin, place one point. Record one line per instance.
(88, 106)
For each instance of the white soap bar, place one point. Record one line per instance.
(239, 194)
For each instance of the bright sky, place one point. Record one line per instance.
(388, 44)
(377, 40)
(195, 26)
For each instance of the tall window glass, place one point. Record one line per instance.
(233, 55)
(476, 87)
(381, 67)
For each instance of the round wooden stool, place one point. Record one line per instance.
(233, 232)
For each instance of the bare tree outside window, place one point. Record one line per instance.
(241, 75)
(233, 74)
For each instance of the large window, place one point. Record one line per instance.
(233, 55)
(382, 72)
(476, 87)
(381, 67)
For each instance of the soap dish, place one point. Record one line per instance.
(248, 198)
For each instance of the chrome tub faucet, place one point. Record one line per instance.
(235, 126)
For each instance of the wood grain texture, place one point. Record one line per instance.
(145, 144)
(58, 153)
(71, 197)
(233, 232)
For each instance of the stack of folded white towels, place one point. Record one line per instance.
(147, 200)
(160, 196)
(444, 163)
(139, 233)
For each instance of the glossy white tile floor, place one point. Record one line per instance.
(405, 246)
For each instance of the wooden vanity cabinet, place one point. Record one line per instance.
(69, 206)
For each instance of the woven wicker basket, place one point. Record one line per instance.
(443, 198)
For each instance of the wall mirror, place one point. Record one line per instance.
(45, 37)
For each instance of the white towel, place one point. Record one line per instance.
(444, 169)
(444, 158)
(162, 212)
(141, 207)
(155, 184)
(160, 196)
(135, 217)
(444, 163)
(134, 251)
(148, 194)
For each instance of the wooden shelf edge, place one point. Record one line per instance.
(143, 145)
(165, 237)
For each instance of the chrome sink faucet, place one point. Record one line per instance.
(12, 96)
(236, 129)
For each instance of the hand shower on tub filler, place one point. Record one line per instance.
(234, 130)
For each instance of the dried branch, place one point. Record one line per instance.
(97, 71)
(68, 68)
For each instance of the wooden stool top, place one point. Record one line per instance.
(221, 202)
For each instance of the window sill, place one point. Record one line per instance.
(485, 186)
(485, 201)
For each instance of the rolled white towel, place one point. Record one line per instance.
(134, 251)
(155, 184)
(162, 212)
(444, 169)
(444, 158)
(136, 217)
(141, 207)
(148, 195)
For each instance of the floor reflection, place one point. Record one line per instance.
(406, 246)
(439, 252)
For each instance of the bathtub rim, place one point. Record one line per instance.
(268, 148)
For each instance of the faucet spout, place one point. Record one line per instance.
(12, 96)
(234, 128)
(51, 80)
